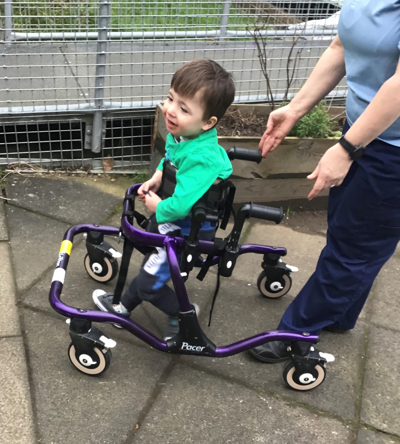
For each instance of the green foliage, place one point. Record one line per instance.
(3, 174)
(126, 15)
(317, 123)
(140, 177)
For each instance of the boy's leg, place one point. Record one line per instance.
(151, 283)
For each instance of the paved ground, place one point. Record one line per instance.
(148, 397)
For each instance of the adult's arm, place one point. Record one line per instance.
(383, 110)
(327, 73)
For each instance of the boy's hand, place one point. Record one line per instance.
(152, 184)
(151, 200)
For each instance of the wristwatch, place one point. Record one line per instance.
(354, 151)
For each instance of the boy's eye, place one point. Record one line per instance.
(184, 109)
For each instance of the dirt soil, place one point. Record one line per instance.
(235, 124)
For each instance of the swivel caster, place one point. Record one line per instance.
(101, 261)
(89, 351)
(274, 284)
(103, 270)
(92, 363)
(308, 380)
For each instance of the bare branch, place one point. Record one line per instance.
(290, 75)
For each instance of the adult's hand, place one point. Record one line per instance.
(331, 170)
(280, 122)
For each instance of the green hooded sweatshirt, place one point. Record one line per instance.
(200, 162)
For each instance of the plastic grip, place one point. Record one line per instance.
(266, 213)
(244, 154)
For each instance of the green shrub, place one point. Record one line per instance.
(316, 123)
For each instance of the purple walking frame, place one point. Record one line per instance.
(172, 245)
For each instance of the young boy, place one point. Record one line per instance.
(200, 93)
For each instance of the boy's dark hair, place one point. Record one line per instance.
(219, 89)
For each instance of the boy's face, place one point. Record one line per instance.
(184, 117)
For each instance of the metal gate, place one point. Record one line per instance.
(79, 80)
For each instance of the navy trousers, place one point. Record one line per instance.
(363, 232)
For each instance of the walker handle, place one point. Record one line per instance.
(244, 154)
(267, 213)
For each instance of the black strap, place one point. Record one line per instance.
(219, 245)
(228, 204)
(132, 213)
(228, 209)
(214, 297)
(123, 271)
(204, 269)
(141, 220)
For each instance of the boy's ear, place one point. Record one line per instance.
(211, 122)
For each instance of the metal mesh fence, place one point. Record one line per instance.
(64, 141)
(96, 56)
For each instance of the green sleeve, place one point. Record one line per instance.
(194, 177)
(160, 165)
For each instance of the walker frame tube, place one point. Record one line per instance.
(172, 244)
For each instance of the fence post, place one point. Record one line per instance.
(8, 14)
(104, 18)
(224, 19)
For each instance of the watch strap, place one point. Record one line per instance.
(349, 147)
(354, 151)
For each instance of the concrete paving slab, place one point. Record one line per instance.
(213, 410)
(242, 312)
(303, 252)
(3, 225)
(366, 436)
(385, 308)
(71, 201)
(16, 420)
(35, 242)
(381, 397)
(9, 320)
(74, 408)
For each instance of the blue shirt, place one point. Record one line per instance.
(370, 34)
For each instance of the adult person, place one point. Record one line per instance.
(362, 170)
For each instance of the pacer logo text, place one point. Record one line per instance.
(193, 348)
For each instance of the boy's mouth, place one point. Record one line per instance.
(171, 123)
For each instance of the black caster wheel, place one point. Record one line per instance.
(273, 287)
(305, 381)
(103, 271)
(93, 364)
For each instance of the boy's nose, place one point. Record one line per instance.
(171, 110)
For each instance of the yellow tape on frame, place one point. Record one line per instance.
(66, 247)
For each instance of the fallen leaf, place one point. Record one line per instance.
(107, 163)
